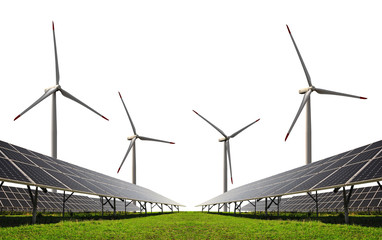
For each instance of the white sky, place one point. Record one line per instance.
(232, 61)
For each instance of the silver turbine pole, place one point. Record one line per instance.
(308, 142)
(225, 174)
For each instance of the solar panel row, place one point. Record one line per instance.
(18, 199)
(356, 166)
(363, 199)
(27, 167)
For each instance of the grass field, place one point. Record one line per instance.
(192, 225)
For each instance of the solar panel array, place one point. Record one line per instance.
(23, 166)
(18, 199)
(353, 167)
(362, 199)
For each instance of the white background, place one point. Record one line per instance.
(232, 61)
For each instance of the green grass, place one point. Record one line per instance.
(191, 225)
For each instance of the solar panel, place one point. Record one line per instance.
(372, 171)
(353, 167)
(24, 166)
(17, 199)
(363, 199)
(9, 171)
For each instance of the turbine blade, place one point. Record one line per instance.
(211, 124)
(45, 95)
(323, 91)
(236, 133)
(55, 56)
(71, 97)
(127, 152)
(131, 121)
(154, 140)
(304, 100)
(229, 159)
(301, 60)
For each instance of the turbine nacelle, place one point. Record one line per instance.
(132, 137)
(304, 90)
(223, 139)
(54, 87)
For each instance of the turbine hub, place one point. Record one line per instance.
(55, 86)
(304, 90)
(222, 139)
(131, 137)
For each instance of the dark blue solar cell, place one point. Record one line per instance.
(341, 176)
(41, 163)
(339, 163)
(372, 171)
(15, 155)
(40, 176)
(340, 155)
(72, 184)
(22, 150)
(42, 156)
(91, 185)
(5, 145)
(375, 145)
(312, 181)
(9, 171)
(62, 169)
(367, 155)
(357, 150)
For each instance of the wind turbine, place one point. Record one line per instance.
(132, 143)
(52, 91)
(306, 101)
(227, 151)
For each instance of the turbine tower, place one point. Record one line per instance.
(227, 151)
(306, 101)
(132, 144)
(52, 91)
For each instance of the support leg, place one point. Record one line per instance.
(346, 203)
(102, 205)
(115, 208)
(34, 203)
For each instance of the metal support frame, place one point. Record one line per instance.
(170, 207)
(64, 199)
(114, 207)
(126, 205)
(203, 207)
(254, 205)
(380, 186)
(210, 207)
(156, 204)
(315, 199)
(176, 207)
(1, 184)
(143, 207)
(237, 207)
(220, 207)
(346, 203)
(34, 203)
(270, 204)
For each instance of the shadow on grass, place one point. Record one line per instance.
(48, 218)
(330, 218)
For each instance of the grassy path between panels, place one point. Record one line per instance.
(190, 225)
